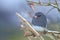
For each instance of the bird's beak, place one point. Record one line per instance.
(35, 16)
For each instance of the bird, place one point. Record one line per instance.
(39, 21)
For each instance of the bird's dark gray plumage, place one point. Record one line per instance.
(41, 19)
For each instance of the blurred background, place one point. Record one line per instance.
(10, 23)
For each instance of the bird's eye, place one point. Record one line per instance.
(39, 15)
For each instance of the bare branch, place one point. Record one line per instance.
(49, 10)
(28, 25)
(55, 5)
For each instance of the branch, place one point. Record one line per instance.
(41, 3)
(28, 25)
(49, 10)
(31, 3)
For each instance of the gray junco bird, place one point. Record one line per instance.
(39, 21)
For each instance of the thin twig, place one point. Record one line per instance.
(49, 10)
